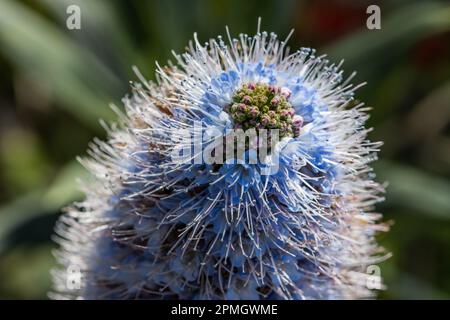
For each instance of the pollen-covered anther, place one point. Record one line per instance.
(264, 106)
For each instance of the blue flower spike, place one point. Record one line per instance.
(179, 210)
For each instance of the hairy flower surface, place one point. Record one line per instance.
(298, 225)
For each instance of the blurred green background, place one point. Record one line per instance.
(56, 83)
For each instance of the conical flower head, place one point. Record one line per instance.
(242, 173)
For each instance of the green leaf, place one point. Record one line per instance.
(96, 17)
(415, 189)
(367, 50)
(62, 191)
(24, 273)
(408, 287)
(80, 82)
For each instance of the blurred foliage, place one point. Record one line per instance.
(56, 83)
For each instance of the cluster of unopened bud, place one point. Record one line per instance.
(264, 106)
